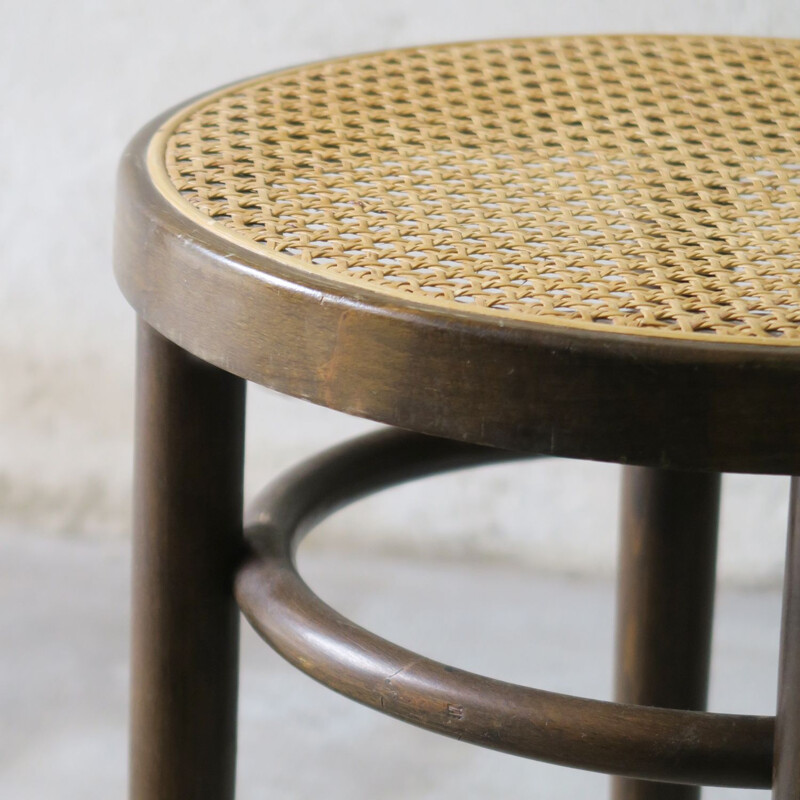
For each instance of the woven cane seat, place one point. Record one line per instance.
(631, 202)
(644, 185)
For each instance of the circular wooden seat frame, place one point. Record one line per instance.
(515, 385)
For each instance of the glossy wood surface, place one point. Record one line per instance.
(187, 542)
(665, 603)
(515, 385)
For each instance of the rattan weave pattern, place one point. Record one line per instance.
(631, 184)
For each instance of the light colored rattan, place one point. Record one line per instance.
(632, 184)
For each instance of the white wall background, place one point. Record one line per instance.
(76, 80)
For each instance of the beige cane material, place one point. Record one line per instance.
(645, 185)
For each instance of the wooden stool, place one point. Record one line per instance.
(582, 247)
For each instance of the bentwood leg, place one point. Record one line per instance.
(786, 770)
(188, 519)
(666, 599)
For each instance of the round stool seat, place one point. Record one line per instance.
(588, 247)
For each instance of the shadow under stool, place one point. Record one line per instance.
(585, 247)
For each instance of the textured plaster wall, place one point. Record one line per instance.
(76, 81)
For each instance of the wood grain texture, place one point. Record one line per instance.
(665, 602)
(187, 542)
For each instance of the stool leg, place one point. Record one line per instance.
(665, 600)
(786, 770)
(187, 538)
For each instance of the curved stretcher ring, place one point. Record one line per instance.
(636, 741)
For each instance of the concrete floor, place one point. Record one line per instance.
(63, 675)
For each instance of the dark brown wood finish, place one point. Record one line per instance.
(639, 741)
(786, 774)
(188, 519)
(665, 601)
(214, 313)
(537, 388)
